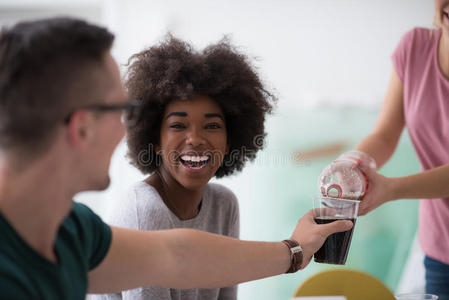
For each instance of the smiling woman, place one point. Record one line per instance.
(202, 115)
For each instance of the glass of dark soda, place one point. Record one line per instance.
(326, 210)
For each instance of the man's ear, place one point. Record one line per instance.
(79, 129)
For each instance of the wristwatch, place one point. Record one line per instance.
(295, 255)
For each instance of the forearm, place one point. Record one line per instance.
(429, 184)
(209, 261)
(378, 147)
(187, 258)
(184, 258)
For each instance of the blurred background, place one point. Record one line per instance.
(328, 62)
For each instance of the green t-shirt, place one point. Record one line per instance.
(82, 242)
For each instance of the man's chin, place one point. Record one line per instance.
(100, 185)
(106, 184)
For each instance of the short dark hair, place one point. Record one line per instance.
(173, 70)
(43, 71)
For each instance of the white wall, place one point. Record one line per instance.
(312, 51)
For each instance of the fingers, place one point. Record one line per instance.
(362, 209)
(370, 176)
(337, 226)
(369, 172)
(362, 212)
(364, 167)
(367, 206)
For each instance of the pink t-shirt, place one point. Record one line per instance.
(426, 111)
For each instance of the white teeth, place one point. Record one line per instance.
(194, 158)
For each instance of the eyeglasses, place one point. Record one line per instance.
(130, 116)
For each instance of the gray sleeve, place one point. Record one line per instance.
(227, 206)
(235, 228)
(117, 296)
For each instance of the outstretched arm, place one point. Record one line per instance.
(429, 184)
(185, 258)
(432, 183)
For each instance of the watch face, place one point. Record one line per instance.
(296, 249)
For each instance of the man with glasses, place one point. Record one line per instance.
(61, 101)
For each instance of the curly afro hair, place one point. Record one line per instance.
(174, 70)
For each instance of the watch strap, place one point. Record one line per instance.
(295, 255)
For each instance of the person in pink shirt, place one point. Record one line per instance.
(418, 98)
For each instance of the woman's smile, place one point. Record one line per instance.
(194, 162)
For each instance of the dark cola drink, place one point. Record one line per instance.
(335, 248)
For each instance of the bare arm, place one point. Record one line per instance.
(429, 184)
(432, 183)
(184, 258)
(382, 141)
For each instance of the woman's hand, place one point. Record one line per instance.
(379, 191)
